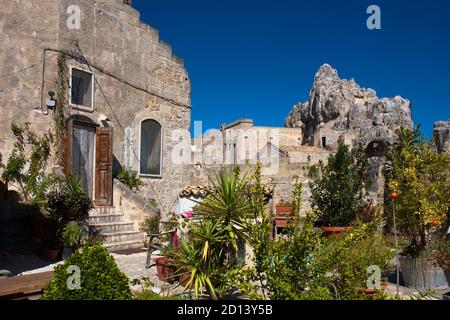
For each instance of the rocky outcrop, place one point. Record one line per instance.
(441, 134)
(337, 108)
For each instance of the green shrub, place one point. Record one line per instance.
(129, 178)
(150, 295)
(338, 187)
(350, 267)
(101, 279)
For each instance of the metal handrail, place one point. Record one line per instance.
(157, 246)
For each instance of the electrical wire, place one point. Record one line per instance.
(26, 68)
(120, 125)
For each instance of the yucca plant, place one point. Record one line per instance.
(212, 250)
(209, 252)
(228, 204)
(189, 260)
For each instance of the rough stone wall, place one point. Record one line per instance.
(21, 46)
(441, 133)
(341, 108)
(134, 207)
(112, 38)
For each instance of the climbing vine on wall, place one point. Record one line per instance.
(60, 114)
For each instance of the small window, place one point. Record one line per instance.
(324, 142)
(151, 147)
(82, 89)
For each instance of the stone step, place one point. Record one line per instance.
(105, 218)
(118, 246)
(103, 210)
(122, 236)
(112, 227)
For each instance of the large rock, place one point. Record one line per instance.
(338, 107)
(441, 133)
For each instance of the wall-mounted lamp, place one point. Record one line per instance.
(50, 104)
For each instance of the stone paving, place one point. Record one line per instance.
(133, 265)
(408, 293)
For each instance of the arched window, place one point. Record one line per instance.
(151, 148)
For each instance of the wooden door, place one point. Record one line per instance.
(82, 155)
(103, 167)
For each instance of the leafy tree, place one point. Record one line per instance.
(339, 186)
(26, 167)
(421, 178)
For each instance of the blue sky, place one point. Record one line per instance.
(257, 58)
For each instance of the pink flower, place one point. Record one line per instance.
(188, 214)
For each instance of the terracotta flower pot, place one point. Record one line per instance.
(283, 208)
(163, 270)
(371, 293)
(282, 212)
(50, 254)
(335, 232)
(184, 278)
(281, 221)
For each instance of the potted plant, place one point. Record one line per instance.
(51, 242)
(421, 180)
(76, 200)
(338, 189)
(68, 206)
(165, 268)
(442, 256)
(283, 207)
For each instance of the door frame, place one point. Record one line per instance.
(81, 121)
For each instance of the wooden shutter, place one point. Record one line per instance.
(103, 167)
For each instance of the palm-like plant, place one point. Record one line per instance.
(208, 254)
(189, 260)
(211, 237)
(228, 204)
(213, 246)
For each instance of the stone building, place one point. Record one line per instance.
(336, 109)
(127, 93)
(441, 134)
(128, 106)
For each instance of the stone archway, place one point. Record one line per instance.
(376, 148)
(376, 151)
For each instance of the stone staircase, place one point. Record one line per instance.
(117, 233)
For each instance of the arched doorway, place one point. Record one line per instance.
(89, 155)
(376, 151)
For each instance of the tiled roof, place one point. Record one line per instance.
(203, 191)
